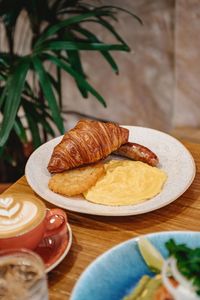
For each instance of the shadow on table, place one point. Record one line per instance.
(171, 215)
(61, 271)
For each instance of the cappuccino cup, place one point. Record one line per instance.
(25, 221)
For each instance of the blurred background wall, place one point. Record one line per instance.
(187, 67)
(158, 85)
(143, 93)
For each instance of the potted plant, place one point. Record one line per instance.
(30, 95)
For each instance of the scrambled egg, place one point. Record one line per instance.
(126, 182)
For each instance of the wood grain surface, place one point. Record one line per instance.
(92, 235)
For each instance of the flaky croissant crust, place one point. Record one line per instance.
(88, 142)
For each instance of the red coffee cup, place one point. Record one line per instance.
(24, 222)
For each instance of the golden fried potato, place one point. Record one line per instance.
(76, 181)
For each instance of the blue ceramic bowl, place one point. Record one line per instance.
(113, 274)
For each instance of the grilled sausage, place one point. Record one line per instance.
(137, 152)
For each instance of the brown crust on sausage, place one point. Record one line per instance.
(137, 152)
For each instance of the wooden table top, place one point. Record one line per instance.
(92, 235)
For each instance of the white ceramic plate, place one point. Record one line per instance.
(174, 158)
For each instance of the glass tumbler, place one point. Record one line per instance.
(22, 276)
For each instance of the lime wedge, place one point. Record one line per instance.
(151, 255)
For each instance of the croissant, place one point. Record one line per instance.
(88, 142)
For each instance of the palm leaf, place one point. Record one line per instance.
(28, 92)
(110, 28)
(82, 9)
(3, 96)
(20, 130)
(105, 54)
(32, 123)
(43, 114)
(3, 89)
(63, 45)
(13, 91)
(2, 77)
(39, 117)
(34, 129)
(54, 82)
(59, 89)
(48, 93)
(75, 61)
(44, 108)
(82, 81)
(118, 8)
(50, 31)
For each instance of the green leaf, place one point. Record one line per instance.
(54, 83)
(105, 54)
(63, 45)
(50, 31)
(82, 9)
(111, 61)
(28, 90)
(3, 95)
(42, 107)
(48, 93)
(75, 61)
(59, 90)
(39, 116)
(46, 126)
(123, 10)
(2, 77)
(20, 130)
(33, 126)
(108, 12)
(110, 28)
(13, 88)
(63, 65)
(188, 261)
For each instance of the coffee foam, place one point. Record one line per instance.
(18, 216)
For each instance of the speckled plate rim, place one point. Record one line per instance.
(175, 159)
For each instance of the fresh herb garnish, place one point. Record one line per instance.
(188, 261)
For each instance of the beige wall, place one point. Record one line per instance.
(143, 93)
(158, 85)
(187, 97)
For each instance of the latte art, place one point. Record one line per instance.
(9, 207)
(17, 215)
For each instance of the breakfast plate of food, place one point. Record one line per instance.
(163, 265)
(106, 169)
